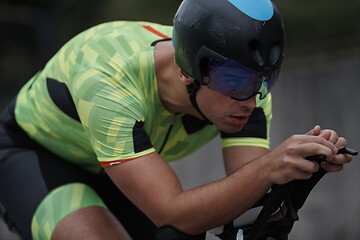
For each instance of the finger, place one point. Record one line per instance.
(329, 135)
(326, 134)
(306, 145)
(309, 167)
(341, 159)
(305, 167)
(319, 147)
(296, 173)
(329, 144)
(294, 168)
(329, 167)
(333, 137)
(302, 174)
(341, 143)
(300, 139)
(315, 131)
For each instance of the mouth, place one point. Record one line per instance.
(239, 120)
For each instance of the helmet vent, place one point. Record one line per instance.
(275, 53)
(256, 53)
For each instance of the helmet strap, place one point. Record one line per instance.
(192, 88)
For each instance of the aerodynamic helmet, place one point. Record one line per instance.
(250, 32)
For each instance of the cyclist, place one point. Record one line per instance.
(85, 144)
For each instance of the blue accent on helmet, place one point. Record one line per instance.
(261, 10)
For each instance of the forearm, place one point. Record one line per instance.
(151, 184)
(217, 203)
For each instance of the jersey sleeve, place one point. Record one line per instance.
(256, 131)
(112, 114)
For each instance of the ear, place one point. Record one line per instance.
(184, 78)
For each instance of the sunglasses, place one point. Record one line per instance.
(237, 81)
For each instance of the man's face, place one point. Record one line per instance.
(227, 114)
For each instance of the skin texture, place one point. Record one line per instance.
(91, 223)
(159, 194)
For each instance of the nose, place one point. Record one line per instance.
(249, 103)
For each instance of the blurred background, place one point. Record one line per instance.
(319, 84)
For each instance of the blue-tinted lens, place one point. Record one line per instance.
(234, 80)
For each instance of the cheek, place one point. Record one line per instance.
(212, 102)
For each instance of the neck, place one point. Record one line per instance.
(172, 91)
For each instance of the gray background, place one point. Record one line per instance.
(319, 84)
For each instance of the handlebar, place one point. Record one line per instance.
(293, 194)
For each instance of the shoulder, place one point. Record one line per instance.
(126, 32)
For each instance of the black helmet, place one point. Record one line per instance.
(250, 32)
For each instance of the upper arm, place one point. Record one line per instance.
(237, 156)
(149, 182)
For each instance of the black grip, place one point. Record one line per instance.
(346, 150)
(317, 158)
(321, 158)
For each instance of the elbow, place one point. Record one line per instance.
(178, 222)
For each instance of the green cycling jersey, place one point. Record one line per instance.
(97, 101)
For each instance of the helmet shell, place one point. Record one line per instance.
(219, 29)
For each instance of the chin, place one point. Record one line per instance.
(231, 129)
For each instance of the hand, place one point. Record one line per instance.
(337, 162)
(287, 161)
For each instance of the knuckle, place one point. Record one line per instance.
(320, 140)
(290, 151)
(295, 138)
(332, 132)
(315, 167)
(315, 148)
(342, 141)
(338, 159)
(341, 159)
